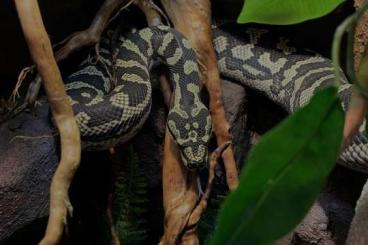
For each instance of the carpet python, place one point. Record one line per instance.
(108, 114)
(285, 74)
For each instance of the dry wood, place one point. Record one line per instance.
(42, 54)
(151, 11)
(179, 185)
(354, 118)
(358, 105)
(92, 35)
(361, 35)
(180, 194)
(193, 19)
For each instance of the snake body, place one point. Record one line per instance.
(285, 74)
(109, 115)
(288, 76)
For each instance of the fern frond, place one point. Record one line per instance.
(130, 202)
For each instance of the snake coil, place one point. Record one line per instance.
(109, 115)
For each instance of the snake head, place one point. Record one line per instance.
(191, 132)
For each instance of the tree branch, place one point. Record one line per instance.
(42, 54)
(193, 19)
(180, 193)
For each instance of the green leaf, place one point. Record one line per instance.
(284, 175)
(285, 12)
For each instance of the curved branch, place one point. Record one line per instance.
(42, 54)
(92, 35)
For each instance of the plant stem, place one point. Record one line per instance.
(341, 29)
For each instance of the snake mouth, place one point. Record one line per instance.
(189, 162)
(194, 164)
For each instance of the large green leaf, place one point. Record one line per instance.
(285, 12)
(284, 175)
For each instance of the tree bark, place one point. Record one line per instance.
(180, 194)
(193, 20)
(42, 54)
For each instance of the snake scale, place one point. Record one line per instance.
(108, 114)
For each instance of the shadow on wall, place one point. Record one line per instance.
(61, 18)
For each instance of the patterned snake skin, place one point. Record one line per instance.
(108, 115)
(286, 75)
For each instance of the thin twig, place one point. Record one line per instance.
(119, 11)
(202, 204)
(25, 137)
(22, 75)
(341, 29)
(114, 235)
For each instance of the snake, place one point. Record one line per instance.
(109, 113)
(287, 75)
